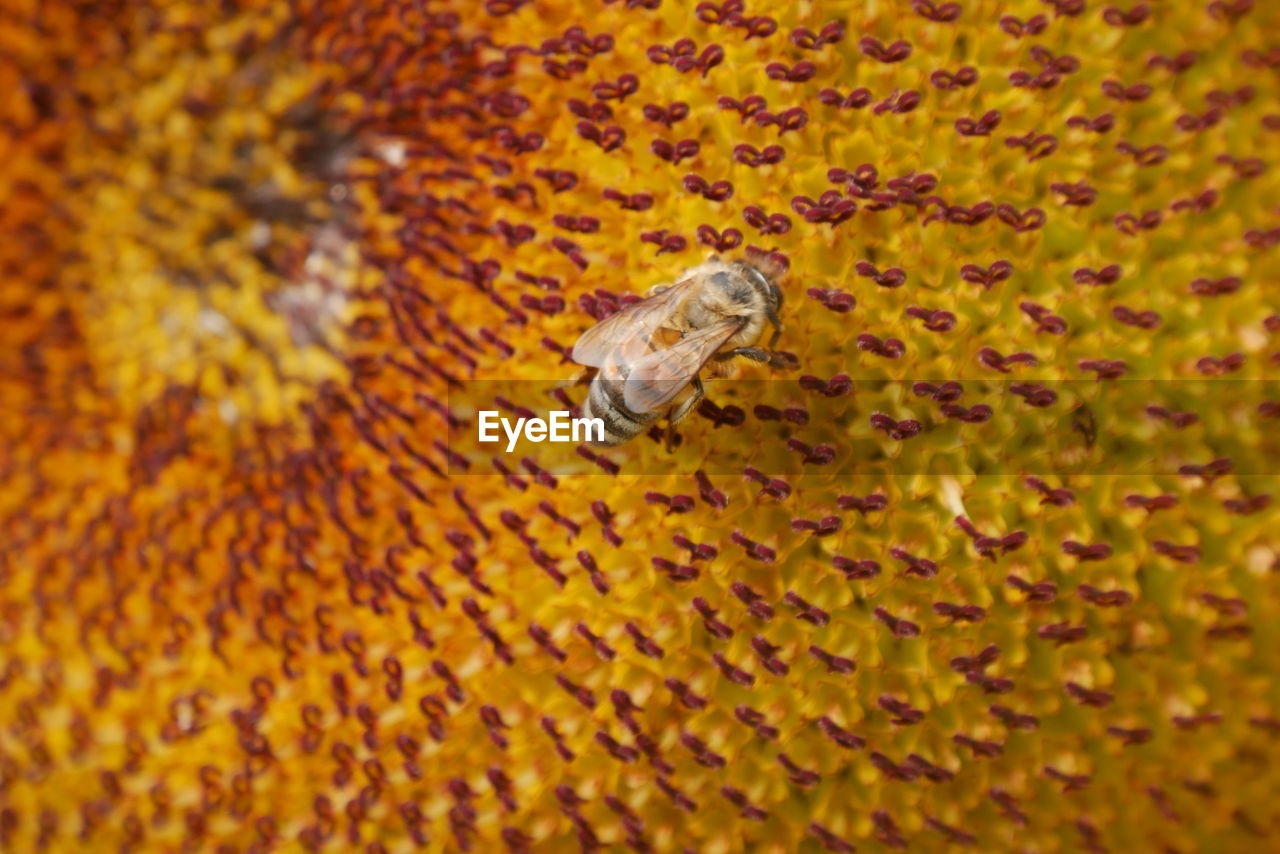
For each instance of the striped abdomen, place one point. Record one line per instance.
(605, 401)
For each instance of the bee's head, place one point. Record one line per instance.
(763, 273)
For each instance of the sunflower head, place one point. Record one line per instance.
(985, 558)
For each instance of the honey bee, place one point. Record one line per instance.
(649, 356)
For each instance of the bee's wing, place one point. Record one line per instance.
(636, 324)
(656, 378)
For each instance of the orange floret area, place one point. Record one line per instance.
(988, 557)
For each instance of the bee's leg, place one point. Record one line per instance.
(755, 354)
(776, 322)
(680, 412)
(774, 361)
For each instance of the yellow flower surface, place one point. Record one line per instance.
(990, 561)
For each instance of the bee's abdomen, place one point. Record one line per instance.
(605, 401)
